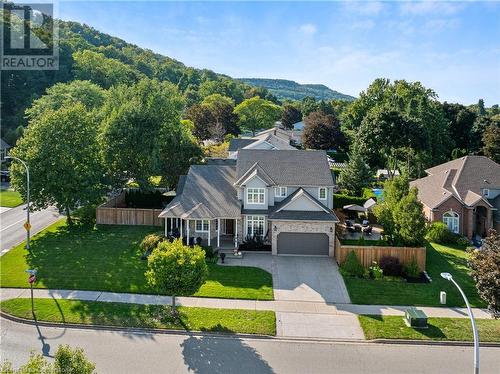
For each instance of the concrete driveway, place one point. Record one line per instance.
(300, 278)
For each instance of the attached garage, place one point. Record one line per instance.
(302, 243)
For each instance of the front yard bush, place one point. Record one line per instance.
(85, 215)
(150, 242)
(438, 233)
(411, 270)
(391, 266)
(352, 266)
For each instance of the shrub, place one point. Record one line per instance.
(411, 270)
(340, 200)
(150, 242)
(209, 252)
(254, 243)
(352, 266)
(69, 360)
(376, 272)
(438, 233)
(86, 215)
(462, 240)
(391, 265)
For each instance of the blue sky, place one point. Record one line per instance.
(451, 47)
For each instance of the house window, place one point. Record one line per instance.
(486, 192)
(255, 226)
(202, 225)
(280, 191)
(450, 219)
(255, 195)
(322, 193)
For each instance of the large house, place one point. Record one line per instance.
(274, 139)
(281, 196)
(464, 194)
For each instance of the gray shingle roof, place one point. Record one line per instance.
(288, 167)
(207, 192)
(299, 215)
(4, 144)
(238, 143)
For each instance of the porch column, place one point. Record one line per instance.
(209, 233)
(187, 232)
(236, 233)
(218, 232)
(177, 222)
(181, 232)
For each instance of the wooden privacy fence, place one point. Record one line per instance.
(114, 212)
(368, 254)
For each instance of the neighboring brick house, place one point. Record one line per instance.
(464, 194)
(283, 196)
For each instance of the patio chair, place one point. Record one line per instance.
(368, 230)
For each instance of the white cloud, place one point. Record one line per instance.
(371, 8)
(434, 7)
(441, 24)
(308, 29)
(363, 25)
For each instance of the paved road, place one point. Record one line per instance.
(12, 231)
(118, 352)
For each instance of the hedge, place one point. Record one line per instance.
(339, 200)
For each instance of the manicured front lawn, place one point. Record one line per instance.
(108, 259)
(10, 199)
(393, 327)
(145, 316)
(440, 258)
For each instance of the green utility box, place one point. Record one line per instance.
(415, 318)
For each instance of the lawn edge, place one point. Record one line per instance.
(145, 330)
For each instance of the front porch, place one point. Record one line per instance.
(220, 233)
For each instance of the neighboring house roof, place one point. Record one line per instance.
(370, 203)
(4, 144)
(385, 172)
(221, 161)
(238, 143)
(275, 141)
(288, 167)
(207, 192)
(463, 178)
(281, 133)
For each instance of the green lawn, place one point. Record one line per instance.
(10, 199)
(108, 259)
(393, 327)
(146, 316)
(440, 258)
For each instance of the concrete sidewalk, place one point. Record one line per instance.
(302, 307)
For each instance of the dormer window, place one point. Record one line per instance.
(486, 192)
(322, 193)
(256, 195)
(280, 191)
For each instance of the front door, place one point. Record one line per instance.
(229, 226)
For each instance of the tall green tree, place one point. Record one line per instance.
(291, 115)
(481, 111)
(136, 123)
(60, 148)
(222, 110)
(308, 105)
(175, 269)
(256, 114)
(409, 220)
(461, 121)
(322, 131)
(491, 141)
(356, 175)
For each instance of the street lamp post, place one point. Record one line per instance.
(449, 277)
(27, 225)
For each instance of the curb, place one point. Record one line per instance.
(241, 335)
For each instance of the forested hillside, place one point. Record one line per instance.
(285, 89)
(88, 54)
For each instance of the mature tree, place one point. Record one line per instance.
(175, 269)
(256, 114)
(224, 87)
(491, 141)
(202, 119)
(222, 110)
(326, 108)
(106, 72)
(291, 115)
(308, 105)
(409, 220)
(387, 138)
(485, 265)
(137, 122)
(461, 121)
(411, 100)
(322, 131)
(90, 95)
(481, 111)
(61, 149)
(356, 175)
(395, 191)
(66, 360)
(252, 91)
